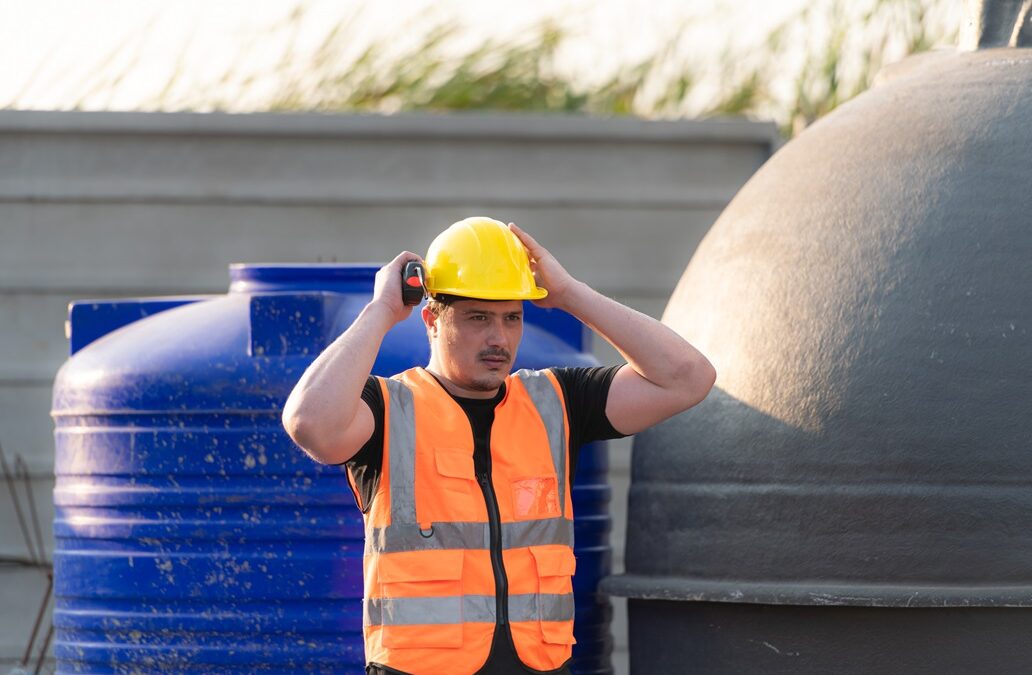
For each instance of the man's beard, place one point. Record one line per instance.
(483, 384)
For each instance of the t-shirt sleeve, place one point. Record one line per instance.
(586, 391)
(367, 464)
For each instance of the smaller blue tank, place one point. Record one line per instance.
(191, 534)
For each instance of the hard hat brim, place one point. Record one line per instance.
(535, 294)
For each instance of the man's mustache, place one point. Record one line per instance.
(496, 352)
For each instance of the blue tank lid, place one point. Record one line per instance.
(279, 277)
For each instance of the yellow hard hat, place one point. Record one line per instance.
(480, 258)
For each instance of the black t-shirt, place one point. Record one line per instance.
(586, 391)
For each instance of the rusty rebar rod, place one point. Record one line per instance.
(22, 472)
(10, 480)
(39, 621)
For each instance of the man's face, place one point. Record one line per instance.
(475, 342)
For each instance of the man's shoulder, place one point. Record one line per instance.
(531, 372)
(587, 374)
(404, 377)
(541, 375)
(573, 375)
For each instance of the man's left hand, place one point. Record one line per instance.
(548, 273)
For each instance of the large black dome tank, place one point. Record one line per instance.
(855, 496)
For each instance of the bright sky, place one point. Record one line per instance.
(125, 54)
(155, 54)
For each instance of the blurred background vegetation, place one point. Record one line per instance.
(793, 72)
(800, 70)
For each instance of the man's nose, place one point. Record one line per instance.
(496, 337)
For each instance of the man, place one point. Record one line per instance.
(463, 470)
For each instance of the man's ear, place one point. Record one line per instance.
(430, 321)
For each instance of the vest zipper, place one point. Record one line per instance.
(495, 520)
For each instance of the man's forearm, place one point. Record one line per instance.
(651, 348)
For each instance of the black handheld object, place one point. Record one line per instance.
(413, 283)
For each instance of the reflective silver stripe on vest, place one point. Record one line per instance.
(407, 537)
(472, 536)
(550, 408)
(415, 611)
(538, 533)
(541, 607)
(402, 453)
(466, 609)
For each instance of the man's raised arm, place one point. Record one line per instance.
(664, 375)
(325, 414)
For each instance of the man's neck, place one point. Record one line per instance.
(458, 390)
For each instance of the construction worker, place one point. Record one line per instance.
(463, 469)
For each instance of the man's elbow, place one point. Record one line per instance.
(697, 378)
(293, 422)
(295, 428)
(324, 445)
(301, 433)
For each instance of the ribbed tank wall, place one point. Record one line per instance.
(191, 534)
(592, 523)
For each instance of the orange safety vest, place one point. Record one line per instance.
(430, 601)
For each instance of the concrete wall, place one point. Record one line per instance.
(126, 204)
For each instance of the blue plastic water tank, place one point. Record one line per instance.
(191, 534)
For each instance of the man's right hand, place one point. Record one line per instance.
(387, 287)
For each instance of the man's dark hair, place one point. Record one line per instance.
(438, 303)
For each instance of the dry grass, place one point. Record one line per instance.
(803, 69)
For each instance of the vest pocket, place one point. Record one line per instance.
(555, 567)
(536, 497)
(456, 466)
(557, 632)
(421, 604)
